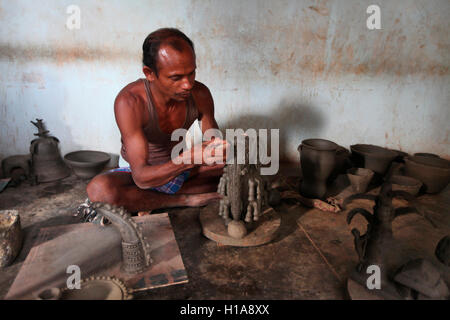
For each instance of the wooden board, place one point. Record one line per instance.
(259, 232)
(97, 251)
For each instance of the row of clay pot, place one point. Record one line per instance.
(318, 159)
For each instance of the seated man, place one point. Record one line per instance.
(147, 111)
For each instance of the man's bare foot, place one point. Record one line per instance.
(202, 199)
(144, 213)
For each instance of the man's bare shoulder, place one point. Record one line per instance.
(130, 97)
(202, 96)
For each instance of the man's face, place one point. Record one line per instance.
(176, 72)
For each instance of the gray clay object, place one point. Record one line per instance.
(135, 248)
(373, 247)
(318, 159)
(443, 250)
(237, 229)
(46, 161)
(244, 191)
(373, 157)
(11, 237)
(359, 178)
(86, 163)
(408, 184)
(17, 161)
(433, 172)
(422, 276)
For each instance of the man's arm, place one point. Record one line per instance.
(129, 121)
(205, 105)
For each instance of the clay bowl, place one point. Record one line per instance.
(373, 157)
(424, 154)
(359, 178)
(433, 172)
(403, 183)
(11, 237)
(87, 164)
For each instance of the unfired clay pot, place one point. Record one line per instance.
(86, 164)
(10, 237)
(433, 172)
(403, 183)
(359, 178)
(375, 158)
(317, 158)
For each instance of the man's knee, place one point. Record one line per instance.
(103, 189)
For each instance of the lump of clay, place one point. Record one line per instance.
(237, 229)
(424, 278)
(443, 250)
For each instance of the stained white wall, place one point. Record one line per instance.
(310, 68)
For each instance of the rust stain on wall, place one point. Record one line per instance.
(60, 54)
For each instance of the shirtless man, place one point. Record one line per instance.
(147, 112)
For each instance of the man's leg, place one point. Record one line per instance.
(118, 188)
(202, 179)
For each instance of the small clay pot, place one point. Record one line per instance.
(317, 158)
(403, 183)
(359, 178)
(11, 237)
(86, 164)
(433, 172)
(373, 157)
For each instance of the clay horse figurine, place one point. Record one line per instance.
(244, 192)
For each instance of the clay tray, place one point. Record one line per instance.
(97, 251)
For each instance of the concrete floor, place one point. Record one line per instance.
(311, 257)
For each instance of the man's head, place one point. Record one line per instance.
(169, 62)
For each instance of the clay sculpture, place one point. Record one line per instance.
(244, 194)
(135, 249)
(373, 247)
(11, 237)
(372, 157)
(317, 158)
(47, 163)
(433, 172)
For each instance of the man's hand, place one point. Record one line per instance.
(210, 152)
